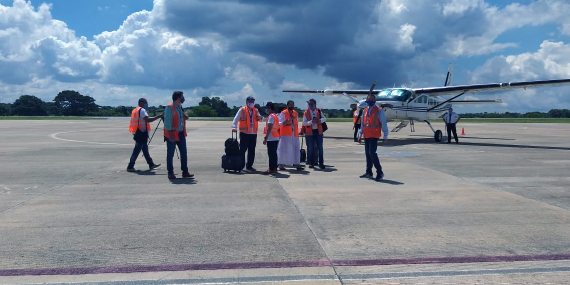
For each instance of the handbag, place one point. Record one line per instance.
(139, 136)
(323, 125)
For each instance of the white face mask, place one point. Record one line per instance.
(250, 105)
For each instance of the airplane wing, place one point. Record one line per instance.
(446, 90)
(476, 101)
(454, 90)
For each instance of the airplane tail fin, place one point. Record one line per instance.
(449, 77)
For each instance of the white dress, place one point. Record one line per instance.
(289, 149)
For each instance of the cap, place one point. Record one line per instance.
(250, 98)
(311, 100)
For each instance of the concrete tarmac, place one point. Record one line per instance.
(493, 209)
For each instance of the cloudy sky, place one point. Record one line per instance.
(119, 50)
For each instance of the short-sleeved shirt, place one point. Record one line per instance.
(270, 120)
(142, 114)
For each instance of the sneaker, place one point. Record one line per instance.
(131, 170)
(154, 166)
(171, 176)
(379, 177)
(187, 175)
(366, 175)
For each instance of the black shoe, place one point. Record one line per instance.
(250, 168)
(456, 141)
(379, 177)
(366, 175)
(131, 170)
(311, 166)
(154, 166)
(322, 166)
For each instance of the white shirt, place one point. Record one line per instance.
(454, 117)
(309, 123)
(142, 114)
(271, 120)
(236, 119)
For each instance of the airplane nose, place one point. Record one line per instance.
(362, 104)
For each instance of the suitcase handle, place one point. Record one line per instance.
(233, 135)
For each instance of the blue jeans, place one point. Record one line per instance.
(137, 151)
(370, 147)
(314, 148)
(170, 149)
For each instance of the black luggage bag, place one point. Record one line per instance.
(232, 160)
(303, 152)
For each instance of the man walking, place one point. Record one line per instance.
(248, 118)
(451, 118)
(312, 120)
(140, 125)
(373, 124)
(175, 135)
(356, 118)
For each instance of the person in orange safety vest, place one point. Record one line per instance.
(247, 119)
(356, 118)
(289, 150)
(141, 122)
(373, 124)
(313, 120)
(271, 139)
(175, 135)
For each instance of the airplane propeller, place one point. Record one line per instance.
(372, 87)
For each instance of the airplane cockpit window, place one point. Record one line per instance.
(393, 95)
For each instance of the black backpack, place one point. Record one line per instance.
(232, 146)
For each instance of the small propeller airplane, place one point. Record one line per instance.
(426, 104)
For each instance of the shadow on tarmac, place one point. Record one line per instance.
(180, 181)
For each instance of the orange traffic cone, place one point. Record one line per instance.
(462, 131)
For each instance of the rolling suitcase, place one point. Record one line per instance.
(303, 152)
(232, 160)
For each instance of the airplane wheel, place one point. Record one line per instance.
(438, 136)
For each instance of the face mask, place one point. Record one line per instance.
(370, 103)
(145, 106)
(182, 101)
(311, 106)
(250, 105)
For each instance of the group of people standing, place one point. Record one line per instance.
(281, 135)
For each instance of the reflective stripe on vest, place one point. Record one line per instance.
(135, 121)
(175, 123)
(309, 129)
(371, 127)
(244, 120)
(274, 128)
(288, 130)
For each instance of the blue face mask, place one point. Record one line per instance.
(182, 101)
(311, 106)
(370, 103)
(145, 106)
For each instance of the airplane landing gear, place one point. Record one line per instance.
(437, 135)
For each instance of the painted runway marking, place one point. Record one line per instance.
(54, 136)
(279, 264)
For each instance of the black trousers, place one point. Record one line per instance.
(451, 128)
(272, 153)
(356, 128)
(247, 143)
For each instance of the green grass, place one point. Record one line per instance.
(48, 118)
(514, 120)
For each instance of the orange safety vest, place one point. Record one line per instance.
(309, 129)
(275, 127)
(288, 130)
(135, 121)
(371, 127)
(244, 120)
(175, 123)
(355, 118)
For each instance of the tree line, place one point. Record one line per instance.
(72, 103)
